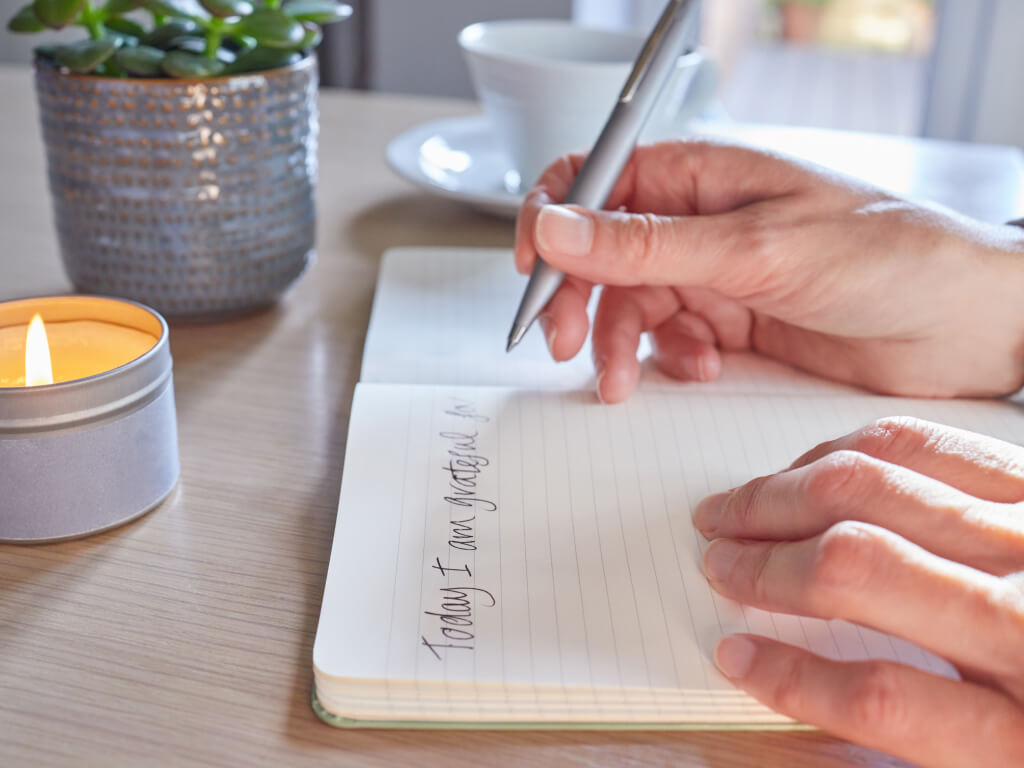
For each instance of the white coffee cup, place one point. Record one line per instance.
(548, 87)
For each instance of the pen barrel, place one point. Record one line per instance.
(544, 281)
(612, 150)
(603, 166)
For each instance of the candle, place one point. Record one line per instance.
(78, 347)
(97, 446)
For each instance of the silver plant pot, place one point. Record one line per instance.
(195, 197)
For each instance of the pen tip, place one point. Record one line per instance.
(515, 336)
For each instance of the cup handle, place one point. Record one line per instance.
(689, 91)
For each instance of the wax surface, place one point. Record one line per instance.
(78, 348)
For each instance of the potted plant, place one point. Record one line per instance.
(182, 152)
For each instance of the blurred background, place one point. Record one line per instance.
(938, 68)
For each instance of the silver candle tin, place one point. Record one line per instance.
(83, 456)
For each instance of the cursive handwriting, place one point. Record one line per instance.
(465, 409)
(451, 617)
(465, 464)
(455, 618)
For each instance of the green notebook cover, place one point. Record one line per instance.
(431, 725)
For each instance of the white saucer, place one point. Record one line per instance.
(458, 158)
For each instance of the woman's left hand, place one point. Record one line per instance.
(914, 529)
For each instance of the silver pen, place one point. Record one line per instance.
(611, 151)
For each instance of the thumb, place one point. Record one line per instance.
(615, 248)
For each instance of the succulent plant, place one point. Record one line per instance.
(187, 38)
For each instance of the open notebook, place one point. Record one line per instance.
(511, 553)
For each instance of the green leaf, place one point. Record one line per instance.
(141, 60)
(227, 8)
(319, 11)
(122, 40)
(47, 50)
(180, 9)
(165, 34)
(313, 35)
(124, 26)
(56, 14)
(25, 21)
(85, 55)
(197, 45)
(272, 29)
(240, 43)
(188, 65)
(117, 7)
(262, 59)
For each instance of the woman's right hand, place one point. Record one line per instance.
(710, 247)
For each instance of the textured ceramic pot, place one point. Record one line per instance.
(195, 197)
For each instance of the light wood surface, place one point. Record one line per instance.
(186, 637)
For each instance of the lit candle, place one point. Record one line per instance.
(88, 438)
(78, 347)
(38, 365)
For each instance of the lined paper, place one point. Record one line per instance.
(582, 597)
(442, 316)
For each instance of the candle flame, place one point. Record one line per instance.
(38, 368)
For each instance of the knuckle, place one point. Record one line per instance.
(640, 241)
(847, 556)
(838, 476)
(1004, 610)
(619, 338)
(743, 503)
(764, 266)
(878, 700)
(761, 586)
(788, 692)
(894, 437)
(757, 235)
(562, 168)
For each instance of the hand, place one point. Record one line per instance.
(711, 247)
(908, 527)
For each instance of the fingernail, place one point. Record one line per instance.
(734, 655)
(548, 326)
(701, 369)
(708, 514)
(561, 230)
(600, 377)
(720, 558)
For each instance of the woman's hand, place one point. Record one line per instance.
(712, 247)
(908, 527)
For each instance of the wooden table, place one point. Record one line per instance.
(186, 636)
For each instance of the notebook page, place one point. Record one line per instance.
(442, 316)
(543, 542)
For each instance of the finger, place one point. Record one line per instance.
(552, 187)
(929, 720)
(676, 178)
(871, 576)
(700, 199)
(632, 249)
(886, 366)
(832, 357)
(622, 317)
(565, 321)
(729, 320)
(684, 348)
(976, 464)
(847, 485)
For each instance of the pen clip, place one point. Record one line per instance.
(650, 48)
